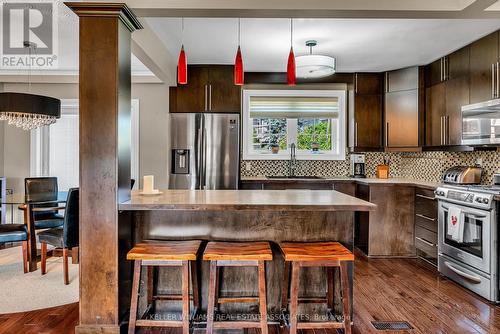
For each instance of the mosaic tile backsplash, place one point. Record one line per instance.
(426, 166)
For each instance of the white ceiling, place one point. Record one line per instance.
(67, 24)
(358, 44)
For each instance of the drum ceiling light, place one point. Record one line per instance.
(29, 111)
(314, 66)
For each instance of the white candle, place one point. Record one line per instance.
(149, 181)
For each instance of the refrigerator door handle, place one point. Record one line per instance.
(203, 149)
(199, 153)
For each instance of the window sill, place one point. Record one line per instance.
(282, 156)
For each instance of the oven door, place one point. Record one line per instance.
(475, 248)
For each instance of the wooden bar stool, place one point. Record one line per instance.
(165, 253)
(318, 254)
(237, 254)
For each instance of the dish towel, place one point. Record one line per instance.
(455, 224)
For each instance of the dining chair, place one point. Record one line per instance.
(65, 237)
(43, 189)
(16, 233)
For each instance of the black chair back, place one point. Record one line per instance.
(40, 189)
(71, 219)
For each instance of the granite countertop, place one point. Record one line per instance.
(392, 180)
(291, 200)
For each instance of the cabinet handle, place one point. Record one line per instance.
(206, 97)
(387, 82)
(387, 134)
(493, 89)
(441, 68)
(210, 96)
(356, 83)
(425, 217)
(425, 242)
(356, 134)
(441, 130)
(426, 197)
(447, 130)
(498, 80)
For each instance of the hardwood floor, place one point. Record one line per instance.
(385, 289)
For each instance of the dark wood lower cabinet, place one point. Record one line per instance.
(389, 230)
(426, 225)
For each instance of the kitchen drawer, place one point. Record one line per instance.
(425, 204)
(426, 222)
(426, 235)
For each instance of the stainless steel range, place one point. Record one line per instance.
(468, 237)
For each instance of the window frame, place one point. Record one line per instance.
(338, 137)
(40, 145)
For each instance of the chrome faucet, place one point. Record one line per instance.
(293, 161)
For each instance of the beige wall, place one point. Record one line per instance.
(153, 140)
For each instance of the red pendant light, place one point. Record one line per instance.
(290, 69)
(182, 63)
(182, 68)
(238, 62)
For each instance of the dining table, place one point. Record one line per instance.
(29, 207)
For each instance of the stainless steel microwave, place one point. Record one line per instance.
(481, 123)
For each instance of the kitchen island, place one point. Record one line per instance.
(245, 215)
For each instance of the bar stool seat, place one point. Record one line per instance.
(164, 253)
(238, 251)
(245, 254)
(316, 254)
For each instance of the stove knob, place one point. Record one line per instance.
(485, 201)
(479, 199)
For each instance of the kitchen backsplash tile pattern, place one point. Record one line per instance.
(426, 166)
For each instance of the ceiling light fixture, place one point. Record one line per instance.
(314, 66)
(182, 63)
(238, 62)
(29, 111)
(290, 69)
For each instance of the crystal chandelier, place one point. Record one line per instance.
(29, 111)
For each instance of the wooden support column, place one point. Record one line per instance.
(105, 142)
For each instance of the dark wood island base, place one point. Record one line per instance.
(295, 216)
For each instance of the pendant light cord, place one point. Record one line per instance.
(239, 31)
(291, 32)
(182, 31)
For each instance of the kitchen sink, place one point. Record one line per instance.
(294, 177)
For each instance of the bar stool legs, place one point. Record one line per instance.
(262, 297)
(181, 254)
(328, 255)
(344, 282)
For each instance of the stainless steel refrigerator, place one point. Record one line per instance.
(204, 151)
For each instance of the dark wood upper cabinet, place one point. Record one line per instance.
(365, 116)
(483, 60)
(458, 64)
(368, 121)
(209, 89)
(402, 109)
(457, 95)
(191, 96)
(223, 94)
(434, 72)
(435, 111)
(368, 83)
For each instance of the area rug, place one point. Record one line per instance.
(21, 292)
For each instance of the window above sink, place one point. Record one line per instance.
(313, 120)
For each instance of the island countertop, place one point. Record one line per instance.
(290, 200)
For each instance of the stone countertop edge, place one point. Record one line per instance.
(273, 200)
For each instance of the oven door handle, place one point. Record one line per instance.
(473, 215)
(472, 278)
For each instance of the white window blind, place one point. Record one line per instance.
(294, 107)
